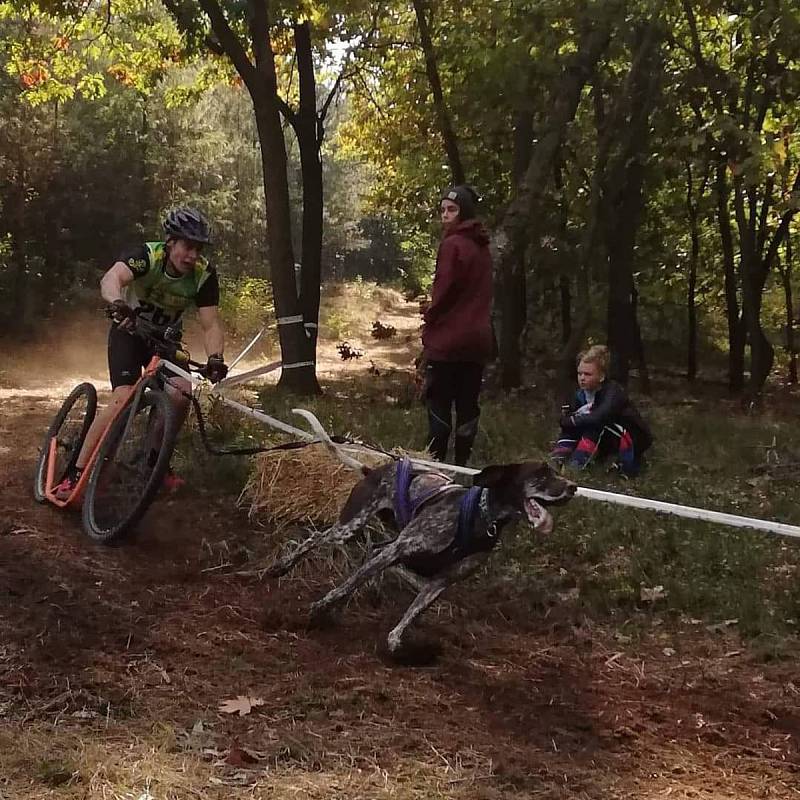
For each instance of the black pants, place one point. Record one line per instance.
(449, 383)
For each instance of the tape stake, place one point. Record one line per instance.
(299, 364)
(294, 320)
(247, 349)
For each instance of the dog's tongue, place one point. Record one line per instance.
(538, 517)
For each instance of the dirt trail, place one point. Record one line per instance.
(113, 662)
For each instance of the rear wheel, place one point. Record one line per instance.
(130, 467)
(68, 428)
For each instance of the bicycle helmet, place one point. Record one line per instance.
(187, 223)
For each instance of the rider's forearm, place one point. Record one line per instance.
(111, 287)
(214, 338)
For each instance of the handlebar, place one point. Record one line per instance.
(165, 342)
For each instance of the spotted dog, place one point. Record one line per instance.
(446, 531)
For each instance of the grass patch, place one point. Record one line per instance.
(604, 556)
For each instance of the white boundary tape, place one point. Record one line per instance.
(659, 506)
(643, 503)
(689, 512)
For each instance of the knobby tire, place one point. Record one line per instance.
(125, 466)
(72, 446)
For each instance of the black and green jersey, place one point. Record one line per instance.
(162, 298)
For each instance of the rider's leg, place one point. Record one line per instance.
(177, 389)
(119, 397)
(126, 356)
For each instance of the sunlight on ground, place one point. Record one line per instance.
(51, 368)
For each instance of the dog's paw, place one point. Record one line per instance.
(413, 652)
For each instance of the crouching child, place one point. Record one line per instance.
(601, 421)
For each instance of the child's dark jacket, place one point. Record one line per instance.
(611, 405)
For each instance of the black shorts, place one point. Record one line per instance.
(127, 356)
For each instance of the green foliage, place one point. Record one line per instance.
(245, 304)
(417, 272)
(59, 53)
(335, 323)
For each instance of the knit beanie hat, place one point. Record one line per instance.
(465, 197)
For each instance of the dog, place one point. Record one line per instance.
(446, 531)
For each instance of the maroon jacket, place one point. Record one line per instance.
(458, 324)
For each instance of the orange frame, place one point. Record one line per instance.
(77, 493)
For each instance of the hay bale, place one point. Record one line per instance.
(305, 487)
(292, 491)
(308, 486)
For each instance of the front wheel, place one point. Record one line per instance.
(130, 467)
(69, 428)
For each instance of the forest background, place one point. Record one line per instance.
(639, 165)
(638, 162)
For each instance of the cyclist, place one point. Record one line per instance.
(157, 282)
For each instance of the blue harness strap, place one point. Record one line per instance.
(402, 500)
(466, 541)
(467, 509)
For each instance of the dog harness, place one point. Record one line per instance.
(467, 509)
(431, 484)
(470, 538)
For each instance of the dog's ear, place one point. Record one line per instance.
(494, 475)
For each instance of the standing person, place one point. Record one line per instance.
(156, 282)
(457, 336)
(601, 420)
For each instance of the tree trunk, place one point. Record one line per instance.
(693, 211)
(564, 287)
(297, 350)
(565, 296)
(620, 317)
(762, 353)
(638, 346)
(309, 138)
(591, 245)
(442, 115)
(736, 330)
(511, 238)
(753, 274)
(691, 314)
(624, 205)
(513, 299)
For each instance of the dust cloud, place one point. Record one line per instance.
(64, 353)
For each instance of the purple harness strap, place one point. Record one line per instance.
(403, 512)
(406, 506)
(467, 509)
